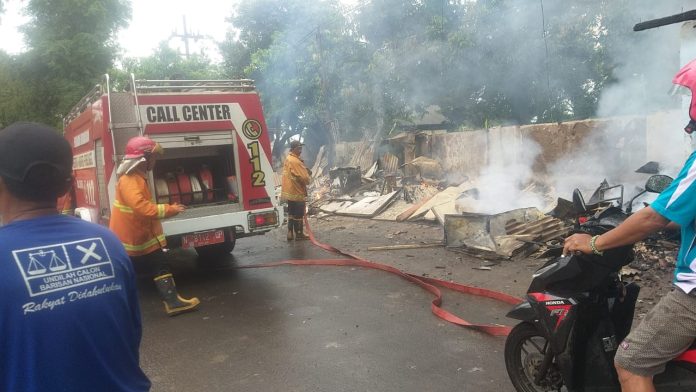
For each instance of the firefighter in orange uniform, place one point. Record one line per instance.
(296, 177)
(135, 218)
(66, 203)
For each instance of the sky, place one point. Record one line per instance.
(152, 22)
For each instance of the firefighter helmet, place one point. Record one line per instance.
(141, 146)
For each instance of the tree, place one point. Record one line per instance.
(166, 64)
(484, 62)
(15, 102)
(71, 44)
(291, 52)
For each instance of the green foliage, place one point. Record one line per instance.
(293, 60)
(483, 63)
(166, 64)
(14, 94)
(327, 70)
(71, 44)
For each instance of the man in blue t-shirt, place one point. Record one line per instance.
(670, 327)
(69, 314)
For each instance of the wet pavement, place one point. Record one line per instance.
(312, 329)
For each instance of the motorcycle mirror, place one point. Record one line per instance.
(629, 207)
(579, 202)
(658, 183)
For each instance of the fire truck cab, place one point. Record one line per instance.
(216, 161)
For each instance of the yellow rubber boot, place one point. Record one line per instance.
(173, 303)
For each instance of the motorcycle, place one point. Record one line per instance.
(576, 311)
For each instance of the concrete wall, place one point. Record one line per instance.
(461, 151)
(621, 145)
(664, 130)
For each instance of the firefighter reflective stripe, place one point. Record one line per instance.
(292, 196)
(149, 244)
(133, 192)
(161, 211)
(122, 208)
(135, 218)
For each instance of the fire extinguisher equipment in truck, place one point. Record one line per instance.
(186, 187)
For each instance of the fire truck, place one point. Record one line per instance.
(216, 161)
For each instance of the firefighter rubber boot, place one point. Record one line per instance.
(299, 231)
(291, 228)
(173, 303)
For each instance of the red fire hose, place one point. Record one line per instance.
(172, 184)
(185, 188)
(207, 182)
(428, 284)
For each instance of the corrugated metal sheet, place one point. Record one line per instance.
(389, 163)
(543, 229)
(364, 155)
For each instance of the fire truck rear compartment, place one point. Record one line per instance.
(196, 176)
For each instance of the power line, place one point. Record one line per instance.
(344, 13)
(186, 36)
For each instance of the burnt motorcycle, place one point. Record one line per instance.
(575, 313)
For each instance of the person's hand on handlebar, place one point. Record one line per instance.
(578, 242)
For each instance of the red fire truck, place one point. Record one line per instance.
(217, 156)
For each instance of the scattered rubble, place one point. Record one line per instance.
(375, 186)
(652, 256)
(383, 192)
(517, 233)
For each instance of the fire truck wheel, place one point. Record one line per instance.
(217, 251)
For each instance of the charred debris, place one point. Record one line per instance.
(384, 183)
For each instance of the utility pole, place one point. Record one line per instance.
(186, 36)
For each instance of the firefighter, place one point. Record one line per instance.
(66, 203)
(296, 177)
(135, 219)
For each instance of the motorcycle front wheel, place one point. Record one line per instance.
(525, 348)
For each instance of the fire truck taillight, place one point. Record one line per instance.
(265, 219)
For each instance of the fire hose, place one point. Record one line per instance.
(428, 284)
(184, 188)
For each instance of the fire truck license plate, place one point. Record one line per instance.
(203, 239)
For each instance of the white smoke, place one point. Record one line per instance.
(507, 182)
(641, 91)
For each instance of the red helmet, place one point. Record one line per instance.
(140, 146)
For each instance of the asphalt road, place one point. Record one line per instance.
(312, 329)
